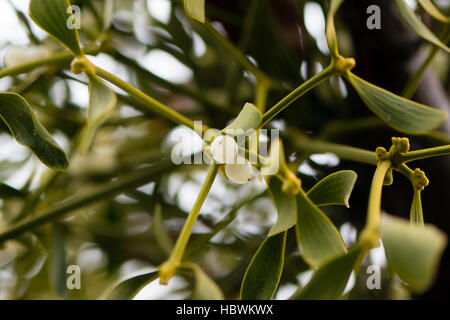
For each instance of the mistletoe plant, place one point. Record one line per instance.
(413, 248)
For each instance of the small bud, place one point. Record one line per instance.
(167, 270)
(381, 154)
(400, 145)
(344, 65)
(82, 64)
(78, 67)
(419, 180)
(224, 150)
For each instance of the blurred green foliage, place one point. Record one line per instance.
(124, 203)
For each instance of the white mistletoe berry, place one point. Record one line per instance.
(239, 172)
(224, 149)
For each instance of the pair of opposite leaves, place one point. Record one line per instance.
(321, 194)
(413, 251)
(404, 243)
(323, 249)
(52, 16)
(16, 112)
(430, 240)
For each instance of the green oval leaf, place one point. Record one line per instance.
(27, 130)
(400, 113)
(318, 238)
(129, 286)
(330, 280)
(285, 205)
(264, 272)
(55, 17)
(417, 26)
(205, 288)
(330, 30)
(416, 212)
(102, 101)
(413, 251)
(196, 9)
(246, 121)
(433, 11)
(334, 189)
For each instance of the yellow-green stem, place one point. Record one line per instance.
(406, 171)
(325, 74)
(168, 268)
(370, 235)
(149, 102)
(262, 88)
(310, 146)
(55, 58)
(425, 153)
(133, 179)
(413, 218)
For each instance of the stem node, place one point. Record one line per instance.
(82, 64)
(167, 270)
(343, 65)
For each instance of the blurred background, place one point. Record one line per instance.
(156, 47)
